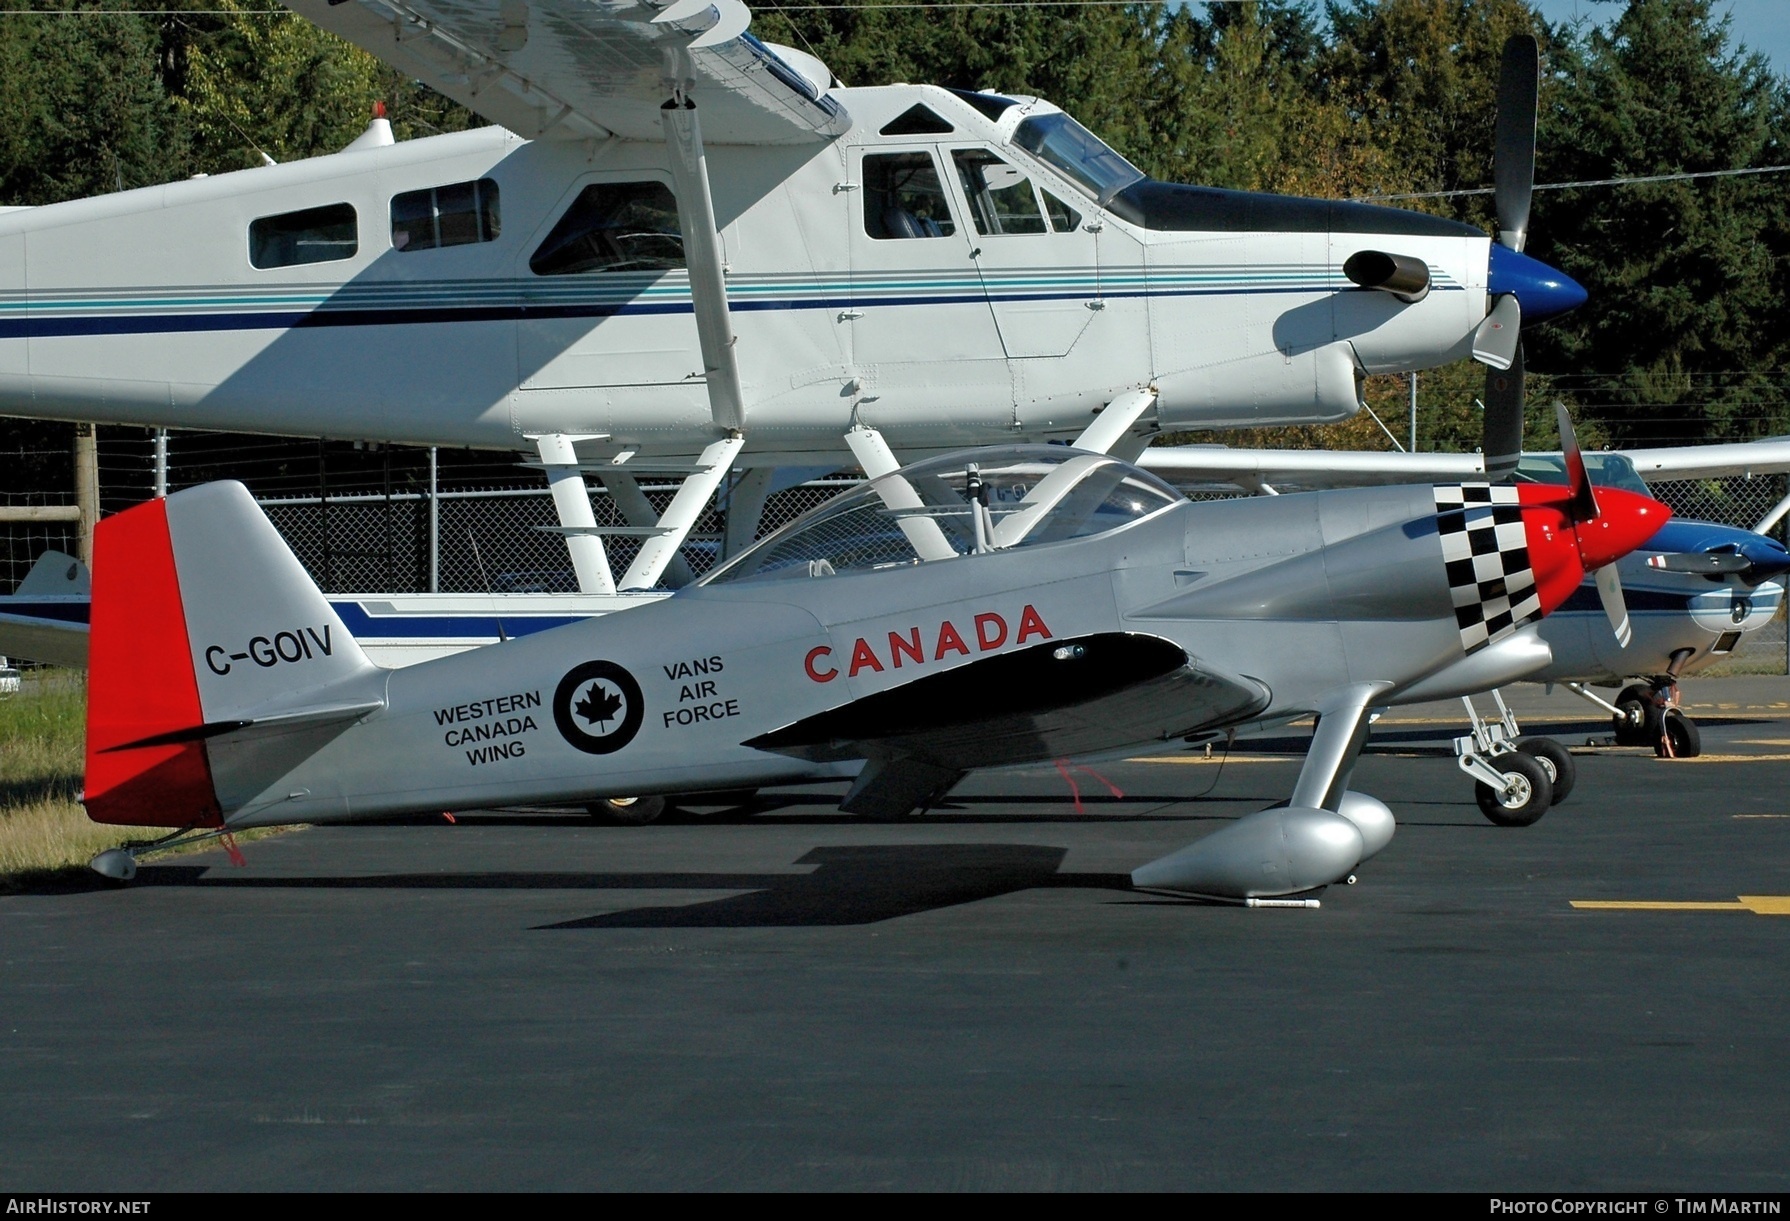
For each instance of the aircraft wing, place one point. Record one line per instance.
(58, 642)
(582, 69)
(1307, 468)
(1061, 699)
(1768, 457)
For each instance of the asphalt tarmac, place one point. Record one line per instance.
(973, 999)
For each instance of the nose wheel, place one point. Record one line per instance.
(1522, 795)
(1516, 779)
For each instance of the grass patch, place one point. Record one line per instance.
(45, 834)
(43, 829)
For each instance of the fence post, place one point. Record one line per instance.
(434, 529)
(86, 488)
(1413, 445)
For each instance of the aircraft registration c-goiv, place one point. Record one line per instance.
(947, 268)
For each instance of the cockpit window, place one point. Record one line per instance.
(1606, 471)
(315, 235)
(904, 198)
(1001, 198)
(614, 226)
(1078, 152)
(963, 504)
(461, 214)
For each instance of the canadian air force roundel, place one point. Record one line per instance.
(598, 707)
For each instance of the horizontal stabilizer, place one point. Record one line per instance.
(302, 717)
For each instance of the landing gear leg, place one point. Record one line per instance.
(1678, 735)
(1649, 714)
(119, 865)
(1517, 779)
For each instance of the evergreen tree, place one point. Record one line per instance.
(253, 83)
(82, 110)
(1684, 337)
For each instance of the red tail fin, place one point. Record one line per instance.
(141, 683)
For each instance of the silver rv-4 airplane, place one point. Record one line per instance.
(686, 246)
(992, 607)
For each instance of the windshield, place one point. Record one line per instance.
(967, 503)
(1606, 471)
(1078, 152)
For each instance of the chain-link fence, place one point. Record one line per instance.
(504, 540)
(1738, 501)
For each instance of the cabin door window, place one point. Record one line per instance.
(607, 296)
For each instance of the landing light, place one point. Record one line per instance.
(1069, 652)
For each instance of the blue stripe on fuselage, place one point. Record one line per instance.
(444, 626)
(73, 325)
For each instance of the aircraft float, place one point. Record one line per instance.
(689, 252)
(986, 608)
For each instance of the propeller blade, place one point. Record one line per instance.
(1502, 441)
(1609, 592)
(1584, 499)
(1495, 341)
(1703, 563)
(1513, 140)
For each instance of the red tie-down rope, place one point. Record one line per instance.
(1065, 766)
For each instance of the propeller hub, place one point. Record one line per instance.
(1625, 521)
(1562, 551)
(1542, 291)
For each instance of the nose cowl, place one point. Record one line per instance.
(1542, 291)
(1624, 521)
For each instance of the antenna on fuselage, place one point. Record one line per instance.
(485, 579)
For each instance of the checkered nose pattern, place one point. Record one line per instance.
(1486, 548)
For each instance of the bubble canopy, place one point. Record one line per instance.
(973, 502)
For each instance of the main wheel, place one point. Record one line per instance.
(1556, 761)
(1525, 797)
(1682, 732)
(1637, 724)
(627, 811)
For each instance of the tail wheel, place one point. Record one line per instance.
(1525, 796)
(1556, 761)
(627, 811)
(1681, 734)
(1638, 722)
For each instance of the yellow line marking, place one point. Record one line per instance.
(1643, 905)
(1731, 759)
(1762, 741)
(1759, 905)
(1762, 816)
(1218, 758)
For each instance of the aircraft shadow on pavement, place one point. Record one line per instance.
(864, 884)
(850, 884)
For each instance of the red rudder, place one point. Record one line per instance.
(140, 683)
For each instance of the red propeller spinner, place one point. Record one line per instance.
(1576, 530)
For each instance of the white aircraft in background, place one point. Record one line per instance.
(626, 291)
